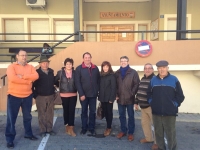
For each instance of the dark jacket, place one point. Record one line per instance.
(165, 95)
(66, 85)
(141, 97)
(44, 85)
(127, 88)
(108, 87)
(87, 80)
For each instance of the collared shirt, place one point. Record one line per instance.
(21, 63)
(45, 71)
(88, 65)
(68, 75)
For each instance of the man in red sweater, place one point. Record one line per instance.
(20, 78)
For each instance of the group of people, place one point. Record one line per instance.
(158, 97)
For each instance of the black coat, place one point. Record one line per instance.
(44, 85)
(87, 80)
(66, 85)
(108, 87)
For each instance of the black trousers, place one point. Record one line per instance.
(108, 111)
(69, 106)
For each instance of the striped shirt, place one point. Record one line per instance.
(141, 97)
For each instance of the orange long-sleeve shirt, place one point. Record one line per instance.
(21, 87)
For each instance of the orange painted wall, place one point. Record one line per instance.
(176, 52)
(3, 91)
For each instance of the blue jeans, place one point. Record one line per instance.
(13, 105)
(122, 118)
(91, 102)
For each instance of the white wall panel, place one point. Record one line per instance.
(14, 26)
(39, 26)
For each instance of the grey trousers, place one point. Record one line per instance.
(45, 108)
(167, 125)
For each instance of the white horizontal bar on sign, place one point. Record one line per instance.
(142, 48)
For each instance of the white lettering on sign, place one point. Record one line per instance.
(142, 48)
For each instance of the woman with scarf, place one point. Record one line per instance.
(107, 93)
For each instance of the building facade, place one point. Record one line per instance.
(52, 21)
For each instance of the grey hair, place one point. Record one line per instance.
(148, 64)
(124, 57)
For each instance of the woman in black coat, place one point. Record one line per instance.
(107, 93)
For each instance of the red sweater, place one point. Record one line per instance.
(21, 87)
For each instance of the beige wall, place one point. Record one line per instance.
(193, 8)
(81, 14)
(144, 11)
(166, 7)
(155, 13)
(170, 7)
(155, 7)
(3, 91)
(91, 11)
(53, 7)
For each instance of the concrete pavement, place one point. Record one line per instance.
(188, 133)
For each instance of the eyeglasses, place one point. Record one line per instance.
(123, 61)
(148, 68)
(23, 55)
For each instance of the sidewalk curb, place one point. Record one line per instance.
(183, 117)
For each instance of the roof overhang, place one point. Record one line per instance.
(102, 1)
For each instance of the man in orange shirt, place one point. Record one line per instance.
(20, 78)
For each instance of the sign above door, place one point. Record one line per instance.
(113, 15)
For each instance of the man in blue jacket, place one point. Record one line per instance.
(87, 78)
(165, 95)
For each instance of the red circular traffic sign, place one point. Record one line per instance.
(143, 48)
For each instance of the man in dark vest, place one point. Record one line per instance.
(43, 90)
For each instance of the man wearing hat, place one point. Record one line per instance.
(165, 95)
(43, 90)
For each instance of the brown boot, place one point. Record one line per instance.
(107, 132)
(120, 135)
(67, 129)
(130, 137)
(145, 141)
(154, 147)
(71, 131)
